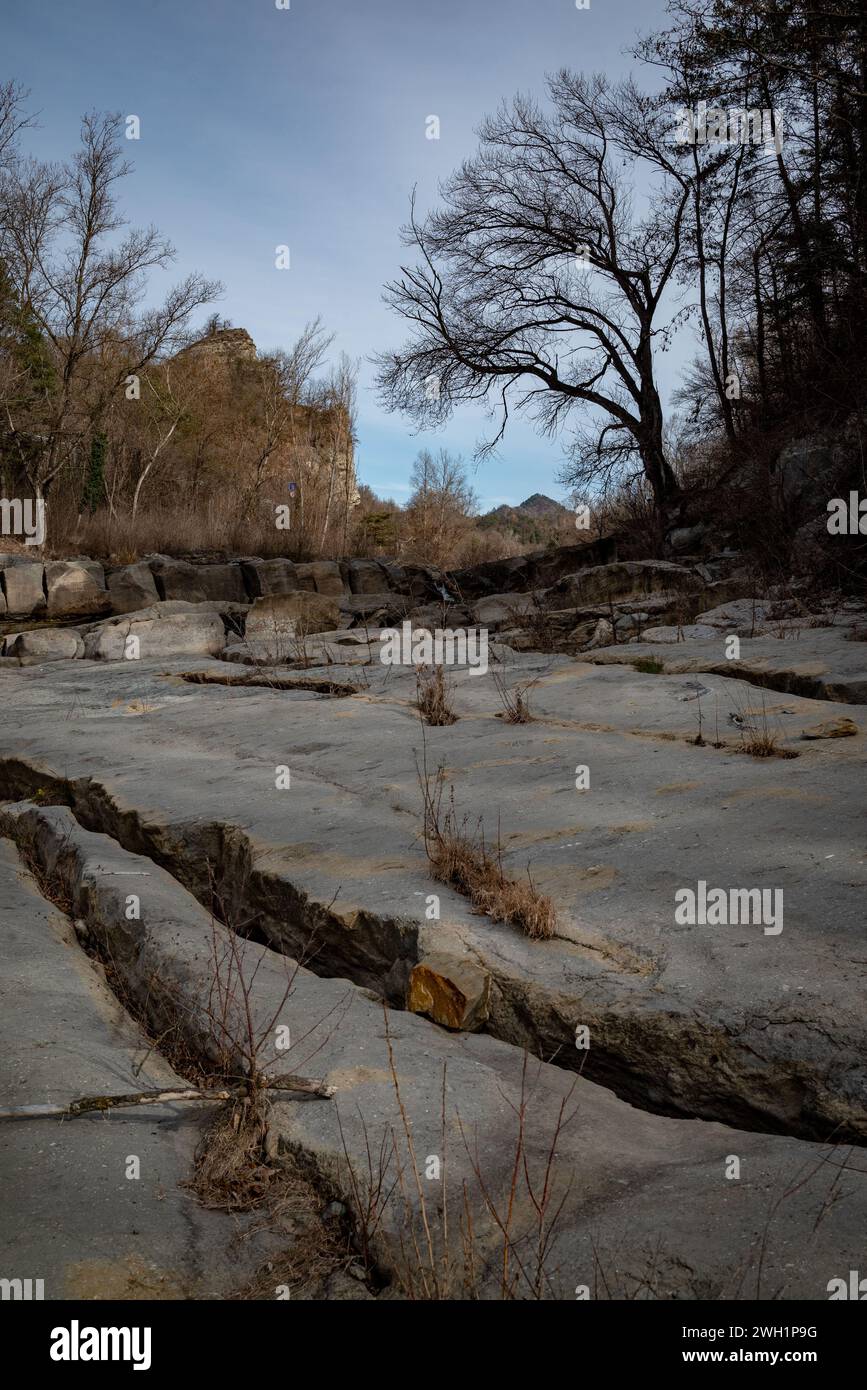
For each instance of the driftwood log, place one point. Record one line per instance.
(287, 1086)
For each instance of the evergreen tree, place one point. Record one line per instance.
(94, 482)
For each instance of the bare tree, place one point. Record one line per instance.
(13, 119)
(540, 285)
(164, 407)
(441, 505)
(80, 280)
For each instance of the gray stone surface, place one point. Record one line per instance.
(684, 632)
(724, 1022)
(818, 662)
(71, 1216)
(738, 1029)
(743, 616)
(630, 1183)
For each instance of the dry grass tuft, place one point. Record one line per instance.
(231, 1173)
(433, 695)
(459, 856)
(759, 739)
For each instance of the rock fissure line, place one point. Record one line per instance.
(657, 1061)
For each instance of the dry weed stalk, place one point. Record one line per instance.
(516, 705)
(761, 740)
(433, 695)
(231, 1172)
(459, 856)
(512, 1256)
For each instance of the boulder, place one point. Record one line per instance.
(625, 579)
(498, 609)
(539, 568)
(263, 577)
(45, 644)
(223, 583)
(687, 632)
(686, 538)
(419, 582)
(546, 567)
(743, 616)
(441, 615)
(75, 587)
(132, 587)
(395, 576)
(579, 636)
(375, 610)
(492, 577)
(177, 579)
(288, 615)
(805, 466)
(602, 635)
(453, 990)
(158, 633)
(366, 577)
(325, 576)
(425, 584)
(22, 583)
(631, 622)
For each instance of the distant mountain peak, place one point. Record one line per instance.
(541, 505)
(536, 521)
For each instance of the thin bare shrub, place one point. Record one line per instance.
(514, 699)
(759, 739)
(438, 1248)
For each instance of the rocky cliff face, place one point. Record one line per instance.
(226, 345)
(316, 448)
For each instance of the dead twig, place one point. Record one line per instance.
(87, 1105)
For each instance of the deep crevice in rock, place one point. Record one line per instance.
(317, 686)
(657, 1062)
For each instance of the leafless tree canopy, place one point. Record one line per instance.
(541, 280)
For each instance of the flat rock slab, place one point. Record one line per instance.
(630, 1183)
(725, 1022)
(71, 1216)
(813, 661)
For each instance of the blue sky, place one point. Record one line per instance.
(263, 126)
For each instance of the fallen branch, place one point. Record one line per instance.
(88, 1105)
